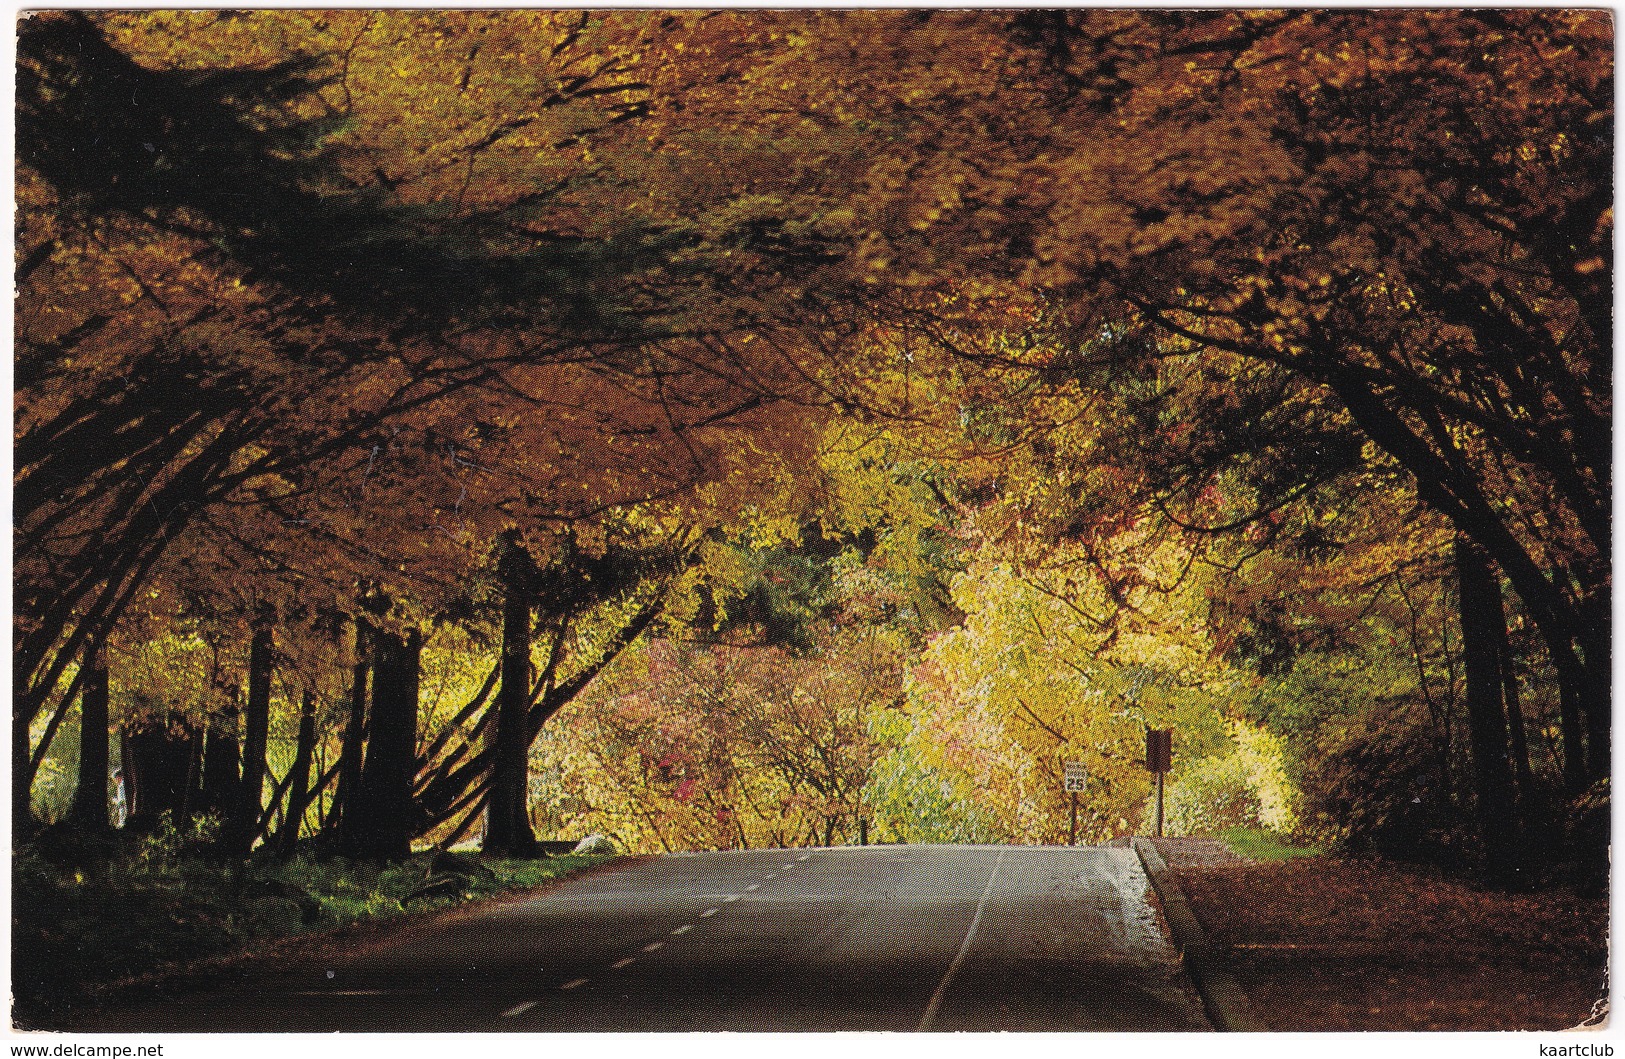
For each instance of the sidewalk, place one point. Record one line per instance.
(1326, 944)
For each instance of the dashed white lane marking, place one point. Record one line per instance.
(653, 945)
(618, 964)
(959, 959)
(684, 929)
(519, 1009)
(753, 886)
(708, 913)
(804, 856)
(573, 983)
(730, 898)
(790, 865)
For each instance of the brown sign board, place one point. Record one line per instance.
(1159, 749)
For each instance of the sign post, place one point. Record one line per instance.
(1076, 779)
(1159, 759)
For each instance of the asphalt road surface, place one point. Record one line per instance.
(878, 938)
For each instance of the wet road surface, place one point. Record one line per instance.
(878, 938)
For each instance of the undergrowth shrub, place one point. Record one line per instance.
(1247, 785)
(1382, 788)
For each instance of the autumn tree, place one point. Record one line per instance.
(750, 727)
(255, 368)
(1346, 198)
(349, 299)
(1362, 238)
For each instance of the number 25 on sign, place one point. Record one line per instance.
(1075, 777)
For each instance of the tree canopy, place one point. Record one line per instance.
(1088, 369)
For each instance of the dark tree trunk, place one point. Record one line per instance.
(507, 821)
(316, 795)
(1514, 709)
(243, 822)
(447, 791)
(22, 785)
(222, 779)
(355, 730)
(382, 820)
(1568, 618)
(1571, 715)
(1481, 614)
(89, 810)
(299, 792)
(1598, 705)
(159, 769)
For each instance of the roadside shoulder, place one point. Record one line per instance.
(1227, 1005)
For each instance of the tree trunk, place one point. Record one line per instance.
(448, 789)
(1597, 642)
(222, 765)
(1495, 806)
(22, 786)
(243, 823)
(42, 747)
(299, 793)
(1521, 770)
(89, 810)
(1571, 715)
(1568, 620)
(355, 730)
(381, 821)
(507, 822)
(158, 771)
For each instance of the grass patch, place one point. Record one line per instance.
(153, 907)
(1258, 844)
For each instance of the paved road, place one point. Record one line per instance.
(879, 938)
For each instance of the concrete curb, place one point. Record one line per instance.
(1226, 1004)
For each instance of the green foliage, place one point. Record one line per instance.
(1257, 843)
(783, 593)
(172, 839)
(58, 775)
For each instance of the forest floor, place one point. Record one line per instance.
(1320, 943)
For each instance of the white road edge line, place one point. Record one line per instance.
(573, 983)
(519, 1009)
(623, 961)
(684, 929)
(964, 948)
(708, 913)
